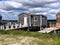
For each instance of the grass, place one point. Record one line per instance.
(44, 39)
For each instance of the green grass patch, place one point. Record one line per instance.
(28, 33)
(47, 39)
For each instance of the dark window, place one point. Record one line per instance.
(31, 16)
(4, 27)
(9, 26)
(17, 26)
(22, 23)
(35, 18)
(13, 26)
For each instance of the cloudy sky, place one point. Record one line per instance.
(9, 9)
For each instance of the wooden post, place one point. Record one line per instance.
(40, 22)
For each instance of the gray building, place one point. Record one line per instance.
(32, 21)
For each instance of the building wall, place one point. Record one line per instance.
(58, 20)
(35, 20)
(38, 20)
(23, 20)
(44, 21)
(52, 24)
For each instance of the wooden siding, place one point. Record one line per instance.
(58, 25)
(58, 20)
(35, 20)
(44, 21)
(21, 19)
(52, 24)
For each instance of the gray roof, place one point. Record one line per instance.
(32, 14)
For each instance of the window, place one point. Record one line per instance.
(13, 26)
(4, 27)
(9, 26)
(17, 26)
(35, 18)
(31, 16)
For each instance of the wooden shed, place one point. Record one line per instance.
(32, 21)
